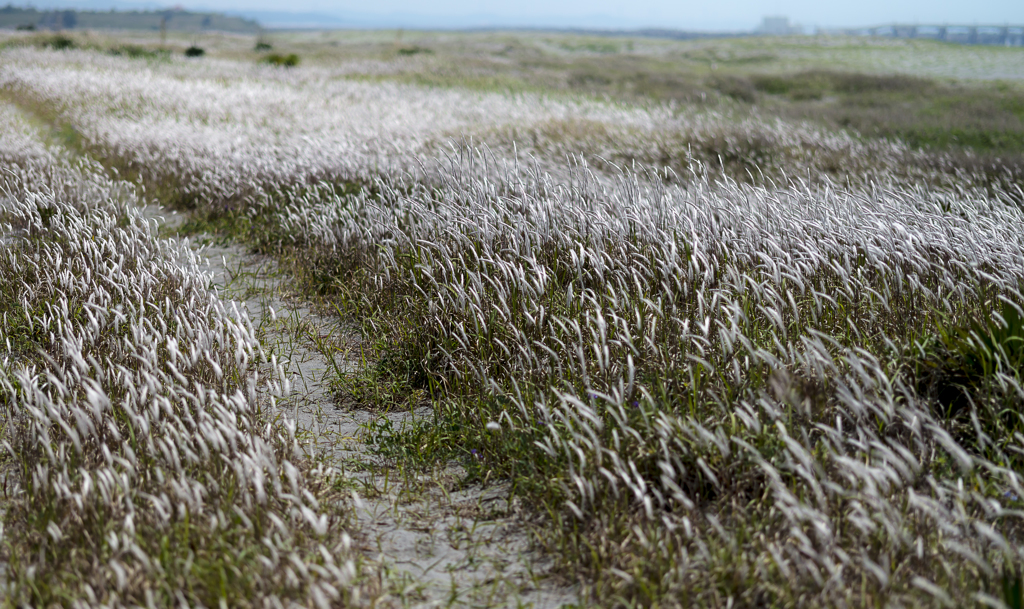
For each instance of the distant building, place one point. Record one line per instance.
(778, 26)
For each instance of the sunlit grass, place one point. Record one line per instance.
(725, 360)
(710, 391)
(140, 465)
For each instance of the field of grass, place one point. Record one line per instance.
(739, 323)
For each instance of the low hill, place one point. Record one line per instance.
(12, 17)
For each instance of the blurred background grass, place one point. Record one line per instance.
(930, 94)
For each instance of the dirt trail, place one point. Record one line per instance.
(442, 544)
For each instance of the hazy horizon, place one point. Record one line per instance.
(731, 15)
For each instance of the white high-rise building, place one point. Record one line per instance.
(778, 26)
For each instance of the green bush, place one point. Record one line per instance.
(289, 61)
(414, 50)
(60, 42)
(872, 83)
(814, 84)
(802, 86)
(262, 46)
(735, 87)
(194, 51)
(773, 85)
(588, 79)
(135, 51)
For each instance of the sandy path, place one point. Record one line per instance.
(441, 544)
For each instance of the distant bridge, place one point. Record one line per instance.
(1001, 35)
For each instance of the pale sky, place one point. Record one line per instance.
(678, 14)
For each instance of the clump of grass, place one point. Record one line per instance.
(735, 87)
(262, 46)
(276, 59)
(414, 50)
(397, 380)
(990, 347)
(59, 42)
(974, 373)
(816, 84)
(135, 51)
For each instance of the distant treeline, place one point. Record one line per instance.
(12, 17)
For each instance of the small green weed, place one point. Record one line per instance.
(46, 213)
(395, 380)
(961, 361)
(993, 345)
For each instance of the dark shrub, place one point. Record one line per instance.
(735, 87)
(194, 51)
(870, 83)
(289, 61)
(60, 43)
(773, 85)
(414, 50)
(589, 79)
(135, 51)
